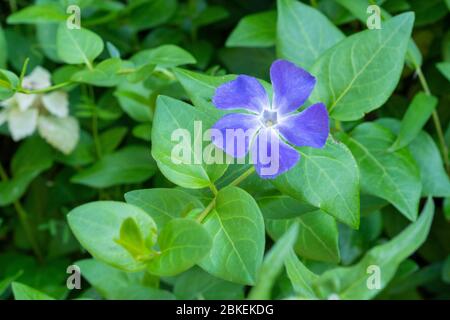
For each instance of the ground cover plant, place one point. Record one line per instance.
(164, 149)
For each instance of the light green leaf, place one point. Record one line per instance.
(32, 158)
(435, 181)
(360, 73)
(200, 88)
(132, 240)
(41, 13)
(77, 46)
(114, 284)
(326, 178)
(393, 176)
(178, 146)
(163, 205)
(3, 50)
(282, 207)
(255, 30)
(359, 9)
(111, 139)
(105, 74)
(351, 282)
(182, 244)
(417, 115)
(97, 224)
(24, 292)
(317, 235)
(301, 278)
(132, 164)
(165, 56)
(237, 229)
(303, 33)
(273, 264)
(151, 13)
(8, 83)
(444, 68)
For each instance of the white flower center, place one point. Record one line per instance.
(269, 118)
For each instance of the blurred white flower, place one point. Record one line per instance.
(49, 113)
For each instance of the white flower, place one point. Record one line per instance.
(49, 113)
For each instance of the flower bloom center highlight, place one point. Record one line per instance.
(269, 118)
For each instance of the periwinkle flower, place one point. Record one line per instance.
(272, 128)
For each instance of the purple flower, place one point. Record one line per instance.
(269, 129)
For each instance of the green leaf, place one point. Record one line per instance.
(3, 50)
(182, 244)
(392, 176)
(446, 270)
(303, 33)
(132, 164)
(351, 282)
(162, 204)
(200, 88)
(282, 207)
(317, 235)
(197, 284)
(97, 224)
(41, 13)
(255, 30)
(78, 46)
(151, 13)
(326, 178)
(178, 146)
(417, 115)
(32, 158)
(360, 73)
(359, 9)
(273, 264)
(444, 68)
(105, 74)
(111, 139)
(134, 100)
(237, 229)
(435, 181)
(24, 292)
(8, 83)
(132, 240)
(166, 56)
(114, 284)
(301, 278)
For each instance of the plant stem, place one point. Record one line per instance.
(23, 217)
(48, 89)
(23, 72)
(213, 188)
(205, 212)
(437, 123)
(98, 146)
(243, 176)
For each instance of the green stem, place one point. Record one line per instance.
(213, 188)
(437, 123)
(48, 89)
(23, 72)
(243, 176)
(207, 210)
(23, 217)
(13, 5)
(95, 135)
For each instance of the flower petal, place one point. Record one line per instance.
(38, 79)
(57, 103)
(308, 128)
(271, 155)
(235, 132)
(61, 133)
(22, 123)
(291, 86)
(242, 93)
(25, 101)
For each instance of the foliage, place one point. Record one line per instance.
(97, 185)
